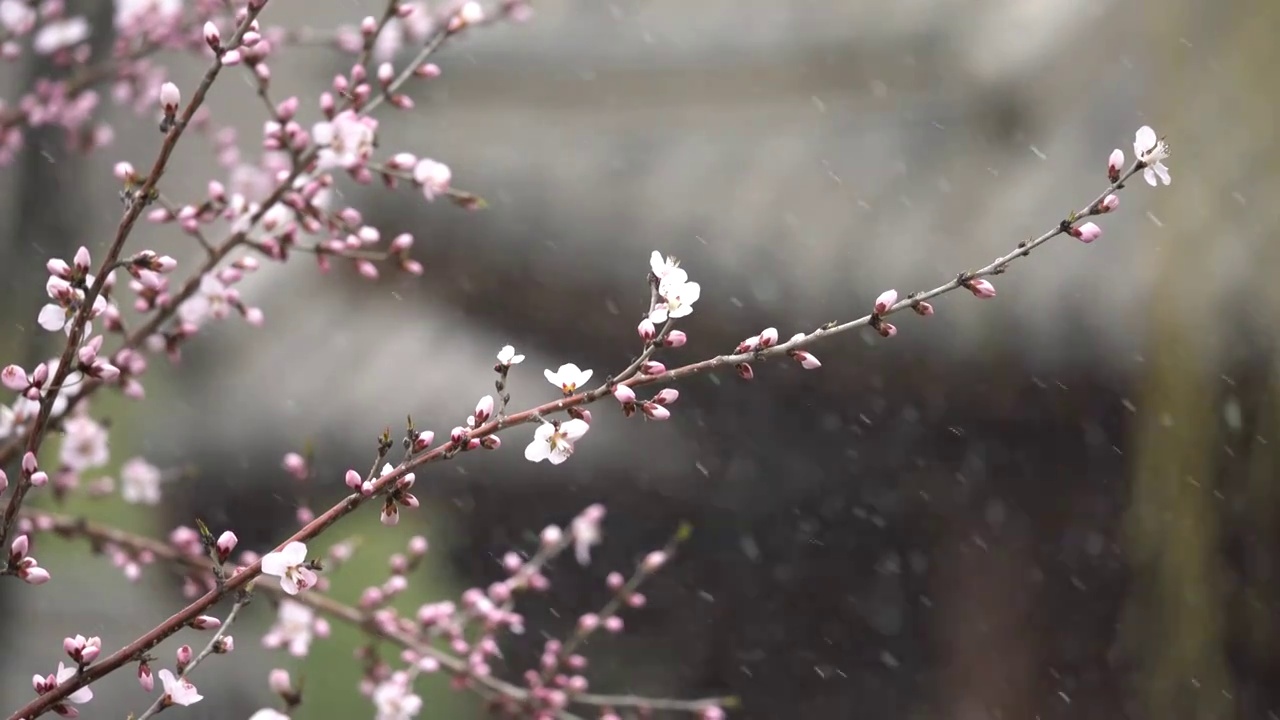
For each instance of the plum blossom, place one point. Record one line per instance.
(433, 176)
(555, 443)
(212, 301)
(295, 624)
(17, 17)
(586, 532)
(290, 565)
(1151, 150)
(67, 301)
(395, 700)
(140, 482)
(47, 683)
(60, 35)
(568, 378)
(678, 296)
(346, 141)
(507, 356)
(131, 13)
(85, 445)
(662, 266)
(178, 690)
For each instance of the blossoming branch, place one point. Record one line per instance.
(271, 211)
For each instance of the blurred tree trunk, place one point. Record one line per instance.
(1178, 618)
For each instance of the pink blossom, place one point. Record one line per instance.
(290, 565)
(434, 177)
(886, 301)
(294, 627)
(346, 141)
(178, 690)
(140, 482)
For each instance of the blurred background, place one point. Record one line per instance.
(1062, 503)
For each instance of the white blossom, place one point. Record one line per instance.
(568, 378)
(1151, 150)
(555, 444)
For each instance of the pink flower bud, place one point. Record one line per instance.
(401, 243)
(667, 396)
(1109, 203)
(624, 394)
(4, 481)
(424, 441)
(886, 301)
(14, 378)
(226, 543)
(1114, 164)
(981, 289)
(18, 549)
(769, 337)
(279, 682)
(1087, 232)
(612, 624)
(170, 98)
(418, 545)
(212, 36)
(353, 480)
(654, 411)
(646, 330)
(744, 371)
(295, 465)
(145, 678)
(675, 338)
(34, 575)
(652, 367)
(923, 308)
(887, 330)
(806, 359)
(484, 410)
(654, 560)
(589, 622)
(231, 57)
(40, 479)
(552, 535)
(29, 464)
(184, 656)
(82, 260)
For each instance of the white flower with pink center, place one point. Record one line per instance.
(290, 565)
(555, 444)
(346, 141)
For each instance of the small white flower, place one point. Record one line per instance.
(678, 296)
(130, 13)
(568, 378)
(586, 533)
(268, 714)
(662, 266)
(67, 301)
(433, 176)
(79, 697)
(395, 700)
(60, 35)
(555, 444)
(85, 444)
(212, 301)
(1151, 149)
(140, 482)
(294, 627)
(17, 16)
(507, 356)
(290, 565)
(346, 141)
(179, 690)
